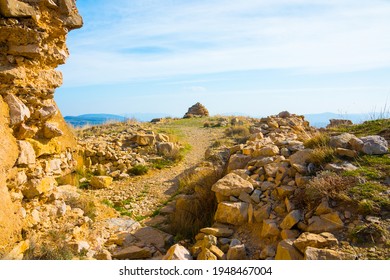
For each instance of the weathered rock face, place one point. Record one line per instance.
(32, 45)
(197, 110)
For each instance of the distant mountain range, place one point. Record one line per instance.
(317, 120)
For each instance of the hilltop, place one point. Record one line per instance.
(205, 188)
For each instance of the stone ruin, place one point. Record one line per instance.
(197, 110)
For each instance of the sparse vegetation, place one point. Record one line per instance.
(322, 155)
(239, 133)
(368, 233)
(139, 169)
(320, 139)
(366, 128)
(86, 204)
(199, 211)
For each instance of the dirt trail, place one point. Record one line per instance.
(144, 194)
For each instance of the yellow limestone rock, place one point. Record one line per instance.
(177, 252)
(206, 255)
(286, 251)
(18, 251)
(101, 182)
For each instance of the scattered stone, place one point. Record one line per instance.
(326, 254)
(235, 213)
(291, 219)
(217, 252)
(132, 253)
(340, 167)
(206, 255)
(341, 141)
(100, 182)
(232, 184)
(269, 229)
(286, 251)
(218, 232)
(154, 236)
(177, 252)
(144, 139)
(36, 187)
(322, 240)
(325, 223)
(237, 252)
(374, 145)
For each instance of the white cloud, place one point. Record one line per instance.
(206, 37)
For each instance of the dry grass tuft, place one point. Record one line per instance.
(196, 209)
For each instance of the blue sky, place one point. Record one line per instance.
(256, 57)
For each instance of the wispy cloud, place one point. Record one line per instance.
(150, 39)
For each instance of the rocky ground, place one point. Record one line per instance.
(223, 188)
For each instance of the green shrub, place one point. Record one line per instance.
(139, 170)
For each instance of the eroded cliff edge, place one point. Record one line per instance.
(35, 143)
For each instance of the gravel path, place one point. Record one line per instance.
(144, 194)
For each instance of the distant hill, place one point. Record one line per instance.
(92, 119)
(317, 120)
(322, 119)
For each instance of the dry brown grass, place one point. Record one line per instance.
(328, 185)
(320, 139)
(197, 209)
(322, 155)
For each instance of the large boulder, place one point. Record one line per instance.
(374, 145)
(232, 184)
(197, 110)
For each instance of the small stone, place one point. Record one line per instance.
(286, 251)
(133, 253)
(269, 229)
(217, 252)
(322, 240)
(325, 223)
(206, 255)
(291, 219)
(235, 213)
(374, 145)
(218, 232)
(237, 252)
(177, 252)
(326, 254)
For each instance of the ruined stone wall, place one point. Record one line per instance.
(36, 146)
